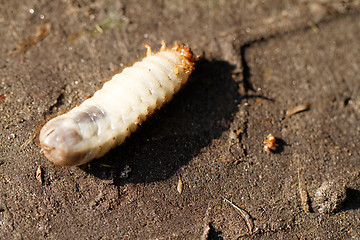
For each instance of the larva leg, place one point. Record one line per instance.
(105, 120)
(163, 46)
(148, 49)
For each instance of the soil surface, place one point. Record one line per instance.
(286, 68)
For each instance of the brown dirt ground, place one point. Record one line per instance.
(260, 58)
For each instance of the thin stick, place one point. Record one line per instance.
(304, 196)
(298, 109)
(246, 216)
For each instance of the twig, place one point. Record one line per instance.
(304, 196)
(40, 33)
(246, 216)
(298, 109)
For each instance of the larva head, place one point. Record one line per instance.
(187, 57)
(60, 140)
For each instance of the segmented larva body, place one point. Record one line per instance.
(103, 121)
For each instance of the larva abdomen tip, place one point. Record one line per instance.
(59, 144)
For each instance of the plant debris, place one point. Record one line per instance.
(39, 175)
(270, 144)
(244, 214)
(298, 109)
(304, 196)
(40, 33)
(180, 185)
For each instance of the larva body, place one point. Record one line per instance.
(100, 123)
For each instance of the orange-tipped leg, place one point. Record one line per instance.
(148, 49)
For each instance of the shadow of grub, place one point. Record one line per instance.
(168, 140)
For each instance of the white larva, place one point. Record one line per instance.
(100, 123)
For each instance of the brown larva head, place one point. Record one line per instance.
(188, 58)
(59, 144)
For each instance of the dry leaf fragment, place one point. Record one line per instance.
(39, 175)
(179, 187)
(270, 143)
